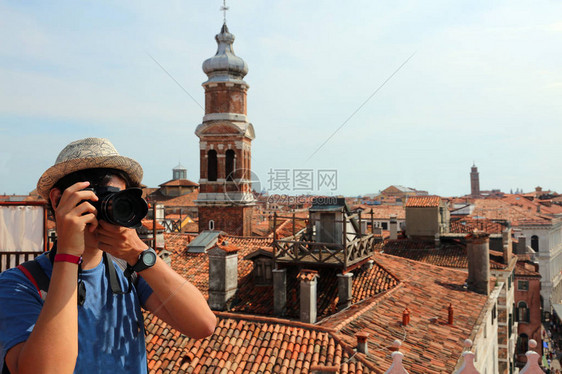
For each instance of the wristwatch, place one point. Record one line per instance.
(147, 259)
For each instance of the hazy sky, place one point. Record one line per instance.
(484, 85)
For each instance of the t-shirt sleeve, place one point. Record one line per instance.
(143, 290)
(20, 305)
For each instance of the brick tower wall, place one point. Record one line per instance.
(234, 220)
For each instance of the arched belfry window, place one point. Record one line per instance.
(535, 243)
(229, 164)
(212, 165)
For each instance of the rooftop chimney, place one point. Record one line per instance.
(450, 310)
(308, 290)
(478, 248)
(279, 291)
(507, 245)
(362, 346)
(223, 274)
(522, 245)
(406, 317)
(345, 288)
(393, 227)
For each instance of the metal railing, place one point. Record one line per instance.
(12, 259)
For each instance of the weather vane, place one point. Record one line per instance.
(224, 8)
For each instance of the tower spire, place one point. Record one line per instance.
(224, 8)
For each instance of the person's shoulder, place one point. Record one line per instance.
(13, 276)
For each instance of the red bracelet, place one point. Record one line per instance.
(68, 258)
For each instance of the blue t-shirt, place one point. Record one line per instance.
(110, 326)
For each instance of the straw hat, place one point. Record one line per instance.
(89, 153)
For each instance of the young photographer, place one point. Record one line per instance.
(83, 324)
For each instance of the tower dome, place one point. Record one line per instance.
(225, 66)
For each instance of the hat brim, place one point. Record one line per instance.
(56, 172)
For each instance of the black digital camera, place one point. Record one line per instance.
(120, 207)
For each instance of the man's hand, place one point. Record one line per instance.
(120, 242)
(74, 216)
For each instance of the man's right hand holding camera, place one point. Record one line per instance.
(75, 216)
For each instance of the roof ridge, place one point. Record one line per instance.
(460, 270)
(268, 319)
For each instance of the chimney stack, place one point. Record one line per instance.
(406, 317)
(279, 291)
(362, 346)
(223, 274)
(507, 245)
(522, 245)
(478, 248)
(308, 290)
(345, 288)
(450, 318)
(393, 227)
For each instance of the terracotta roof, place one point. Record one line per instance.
(469, 224)
(179, 183)
(452, 255)
(149, 224)
(430, 345)
(526, 270)
(224, 244)
(195, 266)
(423, 201)
(307, 275)
(259, 299)
(249, 343)
(246, 344)
(187, 200)
(381, 211)
(518, 211)
(183, 200)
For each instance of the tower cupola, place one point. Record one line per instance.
(225, 66)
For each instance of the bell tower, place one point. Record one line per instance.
(225, 137)
(474, 182)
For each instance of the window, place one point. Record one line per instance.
(535, 243)
(229, 165)
(523, 285)
(263, 274)
(522, 312)
(384, 225)
(212, 165)
(522, 344)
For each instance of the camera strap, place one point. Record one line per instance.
(112, 274)
(34, 272)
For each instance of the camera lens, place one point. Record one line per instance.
(124, 208)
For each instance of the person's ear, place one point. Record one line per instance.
(55, 195)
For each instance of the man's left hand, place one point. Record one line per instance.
(120, 242)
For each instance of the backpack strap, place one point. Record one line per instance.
(35, 273)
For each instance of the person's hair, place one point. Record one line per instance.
(96, 177)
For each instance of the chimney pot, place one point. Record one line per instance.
(405, 317)
(451, 311)
(362, 346)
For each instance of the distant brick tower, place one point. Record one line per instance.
(474, 182)
(225, 137)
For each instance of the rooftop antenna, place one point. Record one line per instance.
(224, 8)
